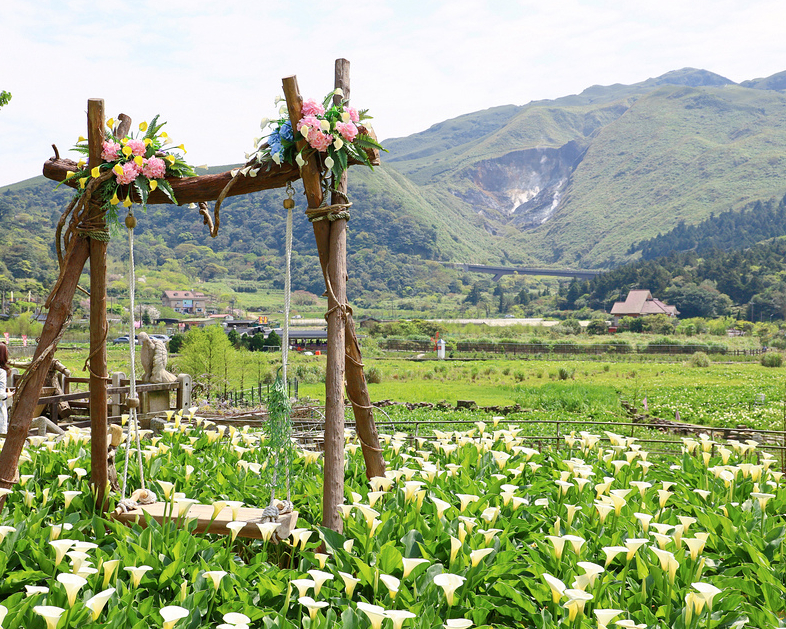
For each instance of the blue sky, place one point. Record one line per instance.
(212, 69)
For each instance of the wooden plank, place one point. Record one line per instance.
(203, 514)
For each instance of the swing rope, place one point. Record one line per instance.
(133, 417)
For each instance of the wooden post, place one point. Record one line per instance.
(98, 323)
(27, 395)
(333, 490)
(357, 390)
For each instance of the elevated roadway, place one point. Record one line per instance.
(499, 271)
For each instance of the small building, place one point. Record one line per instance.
(185, 301)
(640, 303)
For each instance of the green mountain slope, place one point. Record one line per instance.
(574, 181)
(571, 182)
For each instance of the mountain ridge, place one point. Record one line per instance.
(569, 182)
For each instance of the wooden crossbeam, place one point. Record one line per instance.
(193, 189)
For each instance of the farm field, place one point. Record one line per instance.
(468, 528)
(723, 394)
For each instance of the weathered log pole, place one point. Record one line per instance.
(26, 397)
(333, 488)
(357, 389)
(98, 323)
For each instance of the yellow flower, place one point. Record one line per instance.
(96, 603)
(182, 148)
(143, 126)
(449, 583)
(83, 181)
(139, 161)
(72, 584)
(476, 556)
(312, 605)
(69, 174)
(557, 586)
(375, 613)
(147, 141)
(127, 151)
(110, 123)
(127, 202)
(319, 578)
(171, 159)
(349, 583)
(50, 614)
(137, 573)
(117, 169)
(171, 614)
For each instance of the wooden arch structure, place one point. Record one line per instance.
(344, 360)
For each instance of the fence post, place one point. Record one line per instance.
(117, 377)
(184, 390)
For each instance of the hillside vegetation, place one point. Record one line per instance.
(685, 161)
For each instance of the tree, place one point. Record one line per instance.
(176, 342)
(205, 355)
(234, 338)
(474, 295)
(273, 339)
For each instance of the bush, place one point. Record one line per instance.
(772, 359)
(699, 359)
(176, 342)
(374, 375)
(564, 373)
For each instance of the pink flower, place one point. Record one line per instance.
(154, 168)
(137, 147)
(348, 130)
(319, 140)
(353, 114)
(312, 108)
(130, 172)
(312, 122)
(110, 152)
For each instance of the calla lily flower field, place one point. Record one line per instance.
(471, 528)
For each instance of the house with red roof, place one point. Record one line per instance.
(185, 301)
(640, 303)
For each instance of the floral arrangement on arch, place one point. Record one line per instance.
(143, 161)
(334, 134)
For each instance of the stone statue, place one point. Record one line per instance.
(154, 356)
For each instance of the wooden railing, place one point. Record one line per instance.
(154, 398)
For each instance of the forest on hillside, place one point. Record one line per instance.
(393, 256)
(749, 282)
(727, 230)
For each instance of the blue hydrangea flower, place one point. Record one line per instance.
(274, 141)
(285, 130)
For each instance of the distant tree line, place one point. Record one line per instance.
(728, 230)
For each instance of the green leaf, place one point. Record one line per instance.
(142, 186)
(335, 541)
(389, 558)
(412, 543)
(163, 184)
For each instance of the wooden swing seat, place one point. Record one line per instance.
(205, 523)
